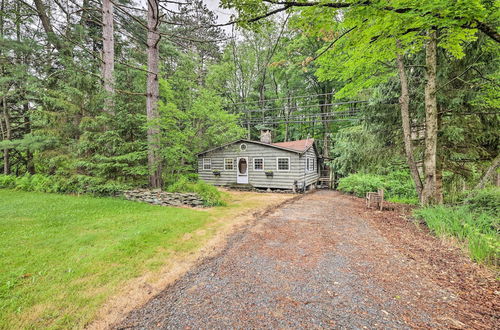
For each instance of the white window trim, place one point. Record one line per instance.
(257, 170)
(245, 148)
(289, 164)
(207, 161)
(232, 162)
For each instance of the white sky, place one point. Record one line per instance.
(223, 15)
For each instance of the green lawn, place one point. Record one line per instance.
(62, 256)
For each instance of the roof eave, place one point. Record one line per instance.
(256, 142)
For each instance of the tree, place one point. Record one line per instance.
(108, 55)
(365, 52)
(152, 91)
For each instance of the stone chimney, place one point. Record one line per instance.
(265, 136)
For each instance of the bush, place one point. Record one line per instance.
(7, 181)
(485, 200)
(77, 184)
(208, 193)
(476, 230)
(360, 184)
(398, 186)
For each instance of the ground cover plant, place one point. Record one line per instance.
(208, 193)
(397, 185)
(62, 256)
(475, 224)
(76, 184)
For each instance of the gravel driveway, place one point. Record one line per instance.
(311, 263)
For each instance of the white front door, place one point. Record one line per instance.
(242, 176)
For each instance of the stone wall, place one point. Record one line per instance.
(157, 197)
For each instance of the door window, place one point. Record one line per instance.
(242, 166)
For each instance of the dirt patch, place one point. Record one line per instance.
(442, 260)
(138, 291)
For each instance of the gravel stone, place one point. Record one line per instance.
(312, 263)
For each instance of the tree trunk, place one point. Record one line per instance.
(108, 55)
(6, 151)
(439, 168)
(429, 192)
(154, 157)
(489, 172)
(404, 103)
(30, 165)
(47, 26)
(324, 108)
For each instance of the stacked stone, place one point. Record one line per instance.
(158, 197)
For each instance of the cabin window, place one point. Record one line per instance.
(283, 163)
(207, 163)
(243, 147)
(310, 164)
(258, 164)
(228, 164)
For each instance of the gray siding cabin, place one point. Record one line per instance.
(285, 165)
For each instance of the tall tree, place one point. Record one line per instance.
(152, 93)
(404, 104)
(430, 191)
(108, 55)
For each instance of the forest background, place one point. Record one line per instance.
(116, 93)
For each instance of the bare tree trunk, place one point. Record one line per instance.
(6, 151)
(489, 172)
(154, 157)
(324, 108)
(404, 103)
(439, 168)
(108, 55)
(429, 196)
(4, 132)
(47, 26)
(30, 166)
(288, 111)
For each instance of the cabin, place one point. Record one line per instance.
(291, 165)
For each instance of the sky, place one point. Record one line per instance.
(223, 15)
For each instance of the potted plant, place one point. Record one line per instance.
(269, 173)
(216, 172)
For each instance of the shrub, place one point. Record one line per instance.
(78, 184)
(478, 231)
(398, 186)
(485, 200)
(359, 184)
(7, 181)
(208, 193)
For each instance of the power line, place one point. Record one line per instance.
(283, 98)
(303, 106)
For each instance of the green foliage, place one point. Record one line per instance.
(77, 184)
(360, 184)
(398, 186)
(7, 181)
(359, 149)
(189, 131)
(476, 230)
(211, 195)
(485, 200)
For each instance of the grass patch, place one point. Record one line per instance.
(62, 257)
(477, 231)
